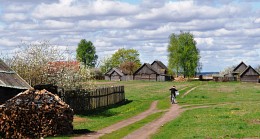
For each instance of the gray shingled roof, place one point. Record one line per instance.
(10, 79)
(235, 69)
(115, 70)
(149, 67)
(248, 68)
(161, 64)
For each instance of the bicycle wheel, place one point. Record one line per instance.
(173, 100)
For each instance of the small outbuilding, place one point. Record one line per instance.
(160, 67)
(238, 70)
(115, 74)
(162, 70)
(146, 72)
(10, 83)
(249, 75)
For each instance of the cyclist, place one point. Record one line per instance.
(173, 94)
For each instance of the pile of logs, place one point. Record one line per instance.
(35, 114)
(180, 79)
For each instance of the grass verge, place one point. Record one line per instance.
(131, 128)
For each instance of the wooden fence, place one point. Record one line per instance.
(84, 100)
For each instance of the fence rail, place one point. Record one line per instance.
(83, 100)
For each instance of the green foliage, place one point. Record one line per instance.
(105, 64)
(128, 59)
(183, 54)
(86, 53)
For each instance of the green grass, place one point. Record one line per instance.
(107, 117)
(234, 112)
(222, 92)
(131, 128)
(141, 93)
(228, 121)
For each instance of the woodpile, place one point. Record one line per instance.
(180, 79)
(35, 114)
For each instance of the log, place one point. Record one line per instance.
(35, 114)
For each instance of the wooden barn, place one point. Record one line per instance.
(156, 71)
(238, 70)
(10, 83)
(146, 72)
(115, 74)
(249, 75)
(160, 67)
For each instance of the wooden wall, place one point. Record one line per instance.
(249, 78)
(83, 100)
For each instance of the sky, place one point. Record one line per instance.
(226, 31)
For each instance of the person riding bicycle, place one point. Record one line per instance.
(173, 92)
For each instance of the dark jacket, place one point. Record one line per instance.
(173, 91)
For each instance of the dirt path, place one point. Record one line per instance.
(149, 129)
(121, 124)
(186, 93)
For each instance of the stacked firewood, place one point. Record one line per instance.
(35, 114)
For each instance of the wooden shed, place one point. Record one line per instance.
(249, 75)
(160, 67)
(146, 72)
(115, 74)
(162, 70)
(10, 83)
(238, 70)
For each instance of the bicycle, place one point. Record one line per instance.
(173, 100)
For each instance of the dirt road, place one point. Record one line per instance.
(149, 129)
(145, 131)
(121, 124)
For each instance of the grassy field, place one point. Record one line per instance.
(140, 95)
(233, 112)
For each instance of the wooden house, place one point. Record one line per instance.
(238, 70)
(115, 74)
(162, 70)
(249, 75)
(156, 71)
(160, 67)
(146, 72)
(10, 83)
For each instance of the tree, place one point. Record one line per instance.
(128, 59)
(86, 53)
(35, 63)
(227, 70)
(129, 67)
(258, 68)
(183, 54)
(105, 64)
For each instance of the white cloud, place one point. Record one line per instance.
(8, 42)
(70, 8)
(115, 23)
(226, 31)
(57, 24)
(14, 17)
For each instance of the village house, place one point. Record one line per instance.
(115, 74)
(238, 70)
(10, 83)
(249, 75)
(156, 71)
(241, 72)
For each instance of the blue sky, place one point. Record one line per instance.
(227, 32)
